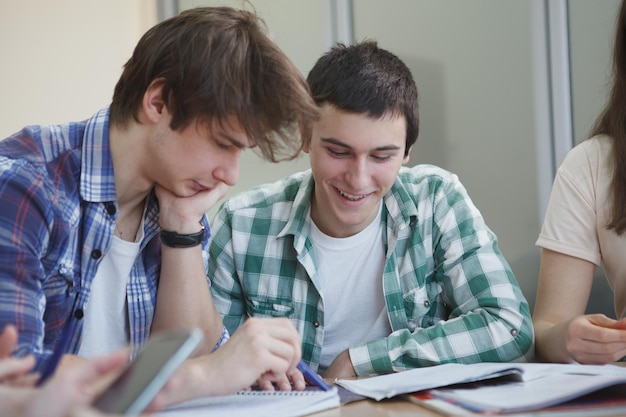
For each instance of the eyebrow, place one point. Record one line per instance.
(345, 145)
(232, 140)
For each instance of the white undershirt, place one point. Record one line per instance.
(105, 326)
(350, 278)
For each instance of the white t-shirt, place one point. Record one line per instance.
(579, 210)
(105, 326)
(350, 274)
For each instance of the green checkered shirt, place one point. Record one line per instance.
(450, 294)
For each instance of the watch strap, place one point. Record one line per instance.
(178, 240)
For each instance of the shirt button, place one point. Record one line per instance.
(316, 324)
(111, 209)
(96, 253)
(426, 303)
(78, 313)
(513, 332)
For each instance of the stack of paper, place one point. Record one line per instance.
(489, 388)
(388, 386)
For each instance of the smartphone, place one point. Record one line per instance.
(131, 392)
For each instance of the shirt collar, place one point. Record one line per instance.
(301, 205)
(398, 203)
(97, 181)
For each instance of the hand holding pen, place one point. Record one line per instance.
(312, 377)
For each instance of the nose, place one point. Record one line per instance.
(227, 170)
(358, 176)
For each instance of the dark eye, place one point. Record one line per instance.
(336, 153)
(381, 158)
(222, 145)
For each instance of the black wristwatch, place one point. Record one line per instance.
(177, 240)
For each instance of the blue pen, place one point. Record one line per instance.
(61, 347)
(312, 376)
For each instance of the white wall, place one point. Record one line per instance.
(592, 27)
(62, 58)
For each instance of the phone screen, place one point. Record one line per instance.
(131, 392)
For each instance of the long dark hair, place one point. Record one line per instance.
(612, 122)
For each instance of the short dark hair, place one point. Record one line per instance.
(364, 78)
(216, 62)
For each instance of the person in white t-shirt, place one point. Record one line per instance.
(379, 266)
(104, 234)
(585, 228)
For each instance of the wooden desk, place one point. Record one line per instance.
(385, 408)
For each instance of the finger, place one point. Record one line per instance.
(85, 373)
(25, 381)
(270, 335)
(14, 367)
(595, 328)
(297, 379)
(620, 324)
(602, 320)
(8, 340)
(280, 330)
(596, 352)
(265, 382)
(217, 193)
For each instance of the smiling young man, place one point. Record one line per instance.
(380, 267)
(103, 221)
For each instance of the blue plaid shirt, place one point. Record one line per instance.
(57, 219)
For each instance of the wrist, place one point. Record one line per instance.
(181, 240)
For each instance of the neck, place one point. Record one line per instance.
(128, 150)
(131, 184)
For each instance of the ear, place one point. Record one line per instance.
(407, 157)
(153, 104)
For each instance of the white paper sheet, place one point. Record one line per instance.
(257, 404)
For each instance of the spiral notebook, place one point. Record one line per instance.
(258, 404)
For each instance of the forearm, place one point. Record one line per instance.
(474, 337)
(184, 298)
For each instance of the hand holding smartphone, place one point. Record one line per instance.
(131, 392)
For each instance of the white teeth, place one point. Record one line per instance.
(351, 197)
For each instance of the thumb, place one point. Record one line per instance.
(604, 321)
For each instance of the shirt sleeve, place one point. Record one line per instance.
(225, 285)
(570, 224)
(482, 315)
(23, 238)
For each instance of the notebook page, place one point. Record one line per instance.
(257, 404)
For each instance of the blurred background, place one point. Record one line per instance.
(506, 86)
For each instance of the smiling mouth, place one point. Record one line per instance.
(199, 187)
(351, 197)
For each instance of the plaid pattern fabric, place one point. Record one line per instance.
(449, 292)
(56, 223)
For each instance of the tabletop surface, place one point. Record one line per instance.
(372, 408)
